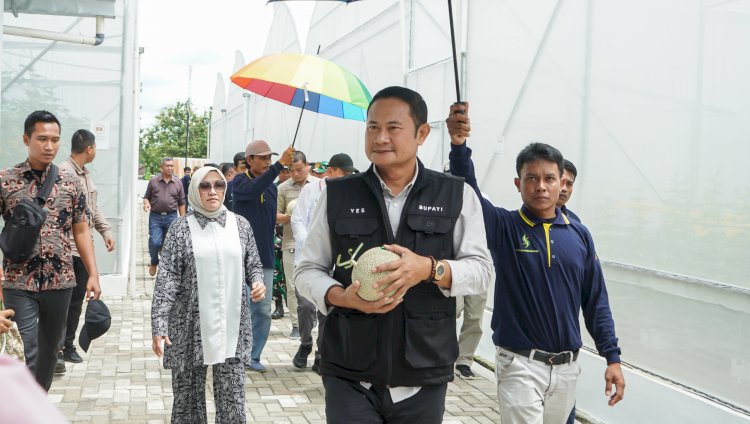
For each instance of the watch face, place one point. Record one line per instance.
(439, 271)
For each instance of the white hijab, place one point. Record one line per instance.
(194, 193)
(220, 274)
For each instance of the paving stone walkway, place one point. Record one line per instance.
(122, 381)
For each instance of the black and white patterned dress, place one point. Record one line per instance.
(174, 310)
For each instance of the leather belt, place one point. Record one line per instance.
(548, 358)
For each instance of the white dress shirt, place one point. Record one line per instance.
(302, 215)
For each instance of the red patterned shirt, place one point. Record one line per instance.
(51, 266)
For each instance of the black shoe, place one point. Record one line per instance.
(465, 371)
(316, 366)
(70, 355)
(278, 313)
(294, 335)
(300, 358)
(60, 365)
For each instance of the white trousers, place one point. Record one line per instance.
(531, 392)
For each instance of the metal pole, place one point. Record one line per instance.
(187, 110)
(305, 99)
(299, 121)
(187, 131)
(208, 131)
(453, 46)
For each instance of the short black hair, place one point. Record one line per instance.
(568, 166)
(539, 151)
(225, 167)
(211, 164)
(187, 168)
(239, 157)
(417, 105)
(81, 140)
(298, 156)
(39, 116)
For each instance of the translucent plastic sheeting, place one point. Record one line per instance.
(82, 86)
(698, 339)
(653, 116)
(650, 102)
(87, 8)
(429, 33)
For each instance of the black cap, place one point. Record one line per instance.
(342, 161)
(97, 323)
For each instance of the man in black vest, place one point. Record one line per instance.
(390, 360)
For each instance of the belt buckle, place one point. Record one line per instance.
(164, 213)
(552, 358)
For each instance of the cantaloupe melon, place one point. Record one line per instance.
(290, 207)
(362, 272)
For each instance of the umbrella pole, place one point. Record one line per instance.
(453, 45)
(298, 122)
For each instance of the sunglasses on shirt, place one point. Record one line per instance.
(206, 186)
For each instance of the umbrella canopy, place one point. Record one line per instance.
(307, 82)
(453, 41)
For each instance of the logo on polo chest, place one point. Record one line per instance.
(526, 246)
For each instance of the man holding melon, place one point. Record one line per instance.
(390, 359)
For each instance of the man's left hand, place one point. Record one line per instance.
(406, 273)
(613, 375)
(93, 290)
(109, 242)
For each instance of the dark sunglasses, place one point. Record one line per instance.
(206, 186)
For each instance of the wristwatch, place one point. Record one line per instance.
(439, 271)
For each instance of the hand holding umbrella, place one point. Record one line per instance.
(287, 157)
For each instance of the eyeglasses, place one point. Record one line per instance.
(206, 186)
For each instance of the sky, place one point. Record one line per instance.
(178, 34)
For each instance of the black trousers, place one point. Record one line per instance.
(321, 328)
(41, 320)
(76, 303)
(349, 402)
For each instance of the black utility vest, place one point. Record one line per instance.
(415, 344)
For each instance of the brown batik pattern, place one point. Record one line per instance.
(51, 265)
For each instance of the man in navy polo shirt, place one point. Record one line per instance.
(547, 271)
(570, 173)
(254, 197)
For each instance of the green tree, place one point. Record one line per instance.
(167, 136)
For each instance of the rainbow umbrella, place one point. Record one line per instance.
(307, 82)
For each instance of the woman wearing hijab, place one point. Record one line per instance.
(207, 259)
